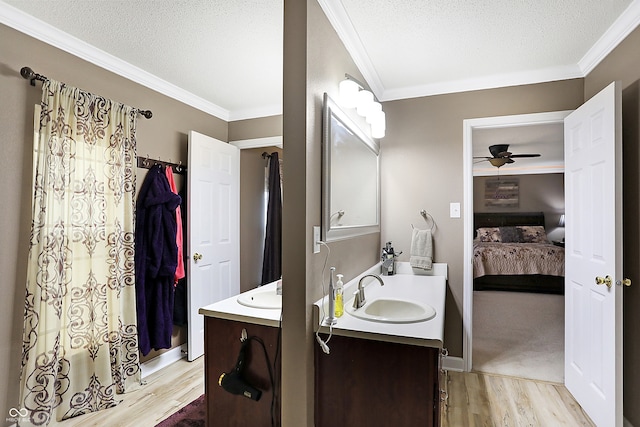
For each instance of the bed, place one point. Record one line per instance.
(511, 252)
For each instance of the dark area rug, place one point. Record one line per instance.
(192, 415)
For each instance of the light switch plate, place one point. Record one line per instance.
(454, 210)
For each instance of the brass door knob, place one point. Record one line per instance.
(626, 282)
(604, 281)
(197, 257)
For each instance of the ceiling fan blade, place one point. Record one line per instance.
(495, 150)
(482, 157)
(510, 160)
(524, 155)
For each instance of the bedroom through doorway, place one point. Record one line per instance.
(517, 311)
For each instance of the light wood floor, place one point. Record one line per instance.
(475, 399)
(164, 393)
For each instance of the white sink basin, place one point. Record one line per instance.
(393, 310)
(267, 299)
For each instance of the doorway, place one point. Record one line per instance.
(473, 128)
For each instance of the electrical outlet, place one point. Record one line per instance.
(316, 239)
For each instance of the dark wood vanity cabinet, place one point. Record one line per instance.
(374, 383)
(222, 346)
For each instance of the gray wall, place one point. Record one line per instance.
(422, 167)
(252, 214)
(421, 163)
(164, 136)
(314, 62)
(538, 193)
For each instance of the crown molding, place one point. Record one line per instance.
(337, 15)
(46, 33)
(334, 9)
(619, 30)
(252, 113)
(269, 141)
(487, 82)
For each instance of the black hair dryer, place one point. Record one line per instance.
(234, 383)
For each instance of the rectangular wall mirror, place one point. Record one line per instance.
(350, 177)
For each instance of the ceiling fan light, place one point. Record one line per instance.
(498, 161)
(349, 93)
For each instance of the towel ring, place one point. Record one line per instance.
(427, 216)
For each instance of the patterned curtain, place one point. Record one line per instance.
(80, 344)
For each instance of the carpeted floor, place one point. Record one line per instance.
(192, 415)
(519, 334)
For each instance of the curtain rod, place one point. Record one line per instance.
(28, 74)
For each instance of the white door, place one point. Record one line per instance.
(213, 236)
(593, 313)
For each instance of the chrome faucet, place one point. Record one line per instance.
(359, 300)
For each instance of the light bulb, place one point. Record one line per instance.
(374, 108)
(365, 99)
(378, 125)
(349, 93)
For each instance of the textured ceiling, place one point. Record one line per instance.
(226, 55)
(418, 46)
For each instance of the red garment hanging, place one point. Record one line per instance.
(179, 242)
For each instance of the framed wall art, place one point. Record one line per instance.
(501, 193)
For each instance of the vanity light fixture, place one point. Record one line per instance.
(354, 95)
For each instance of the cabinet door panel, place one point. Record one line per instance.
(374, 383)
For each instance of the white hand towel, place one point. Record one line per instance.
(421, 249)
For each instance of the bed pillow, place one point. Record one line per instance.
(511, 235)
(533, 234)
(488, 234)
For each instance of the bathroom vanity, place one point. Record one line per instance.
(384, 368)
(258, 312)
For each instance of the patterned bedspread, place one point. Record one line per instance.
(517, 258)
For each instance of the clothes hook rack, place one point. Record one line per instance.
(148, 163)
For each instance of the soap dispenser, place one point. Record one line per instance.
(331, 317)
(388, 260)
(339, 290)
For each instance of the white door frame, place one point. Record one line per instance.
(467, 152)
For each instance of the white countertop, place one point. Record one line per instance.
(231, 309)
(415, 285)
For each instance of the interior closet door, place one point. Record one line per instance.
(213, 235)
(593, 248)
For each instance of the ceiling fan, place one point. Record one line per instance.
(501, 155)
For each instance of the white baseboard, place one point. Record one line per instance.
(453, 364)
(163, 360)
